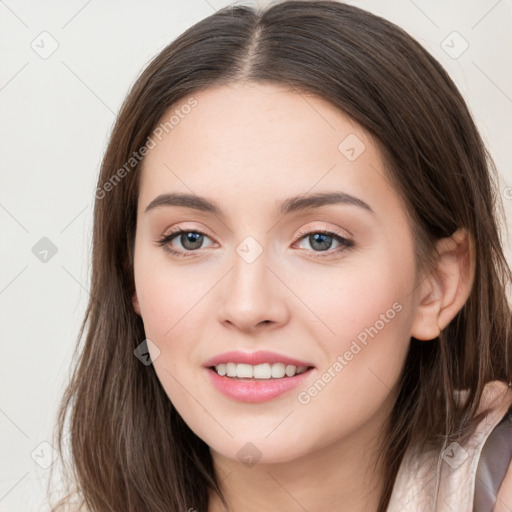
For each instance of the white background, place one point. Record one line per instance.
(56, 116)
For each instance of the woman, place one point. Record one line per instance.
(235, 359)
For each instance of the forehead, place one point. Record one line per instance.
(249, 145)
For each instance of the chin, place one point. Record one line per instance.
(259, 450)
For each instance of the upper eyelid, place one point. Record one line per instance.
(301, 232)
(180, 229)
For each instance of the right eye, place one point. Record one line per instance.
(190, 240)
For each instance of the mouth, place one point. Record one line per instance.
(262, 386)
(256, 376)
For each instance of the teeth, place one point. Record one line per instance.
(259, 371)
(278, 370)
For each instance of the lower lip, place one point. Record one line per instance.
(256, 390)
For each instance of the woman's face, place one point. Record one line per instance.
(255, 272)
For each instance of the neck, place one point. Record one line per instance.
(344, 476)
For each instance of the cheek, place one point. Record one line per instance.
(166, 296)
(170, 310)
(368, 315)
(362, 366)
(175, 309)
(350, 302)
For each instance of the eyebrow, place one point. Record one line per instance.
(292, 204)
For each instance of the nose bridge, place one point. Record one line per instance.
(251, 295)
(249, 282)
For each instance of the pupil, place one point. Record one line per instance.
(325, 241)
(194, 238)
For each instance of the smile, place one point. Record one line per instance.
(254, 390)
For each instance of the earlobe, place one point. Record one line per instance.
(445, 291)
(135, 302)
(426, 318)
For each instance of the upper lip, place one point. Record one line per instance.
(254, 358)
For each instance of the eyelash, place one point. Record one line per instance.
(345, 243)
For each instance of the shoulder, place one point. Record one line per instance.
(464, 477)
(493, 478)
(504, 497)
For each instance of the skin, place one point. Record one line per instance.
(248, 147)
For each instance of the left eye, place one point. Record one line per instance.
(320, 241)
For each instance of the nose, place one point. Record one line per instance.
(253, 297)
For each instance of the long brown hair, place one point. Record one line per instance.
(129, 449)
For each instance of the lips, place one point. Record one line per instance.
(254, 358)
(254, 390)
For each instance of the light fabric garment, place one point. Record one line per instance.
(468, 477)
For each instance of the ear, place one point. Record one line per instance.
(444, 292)
(135, 302)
